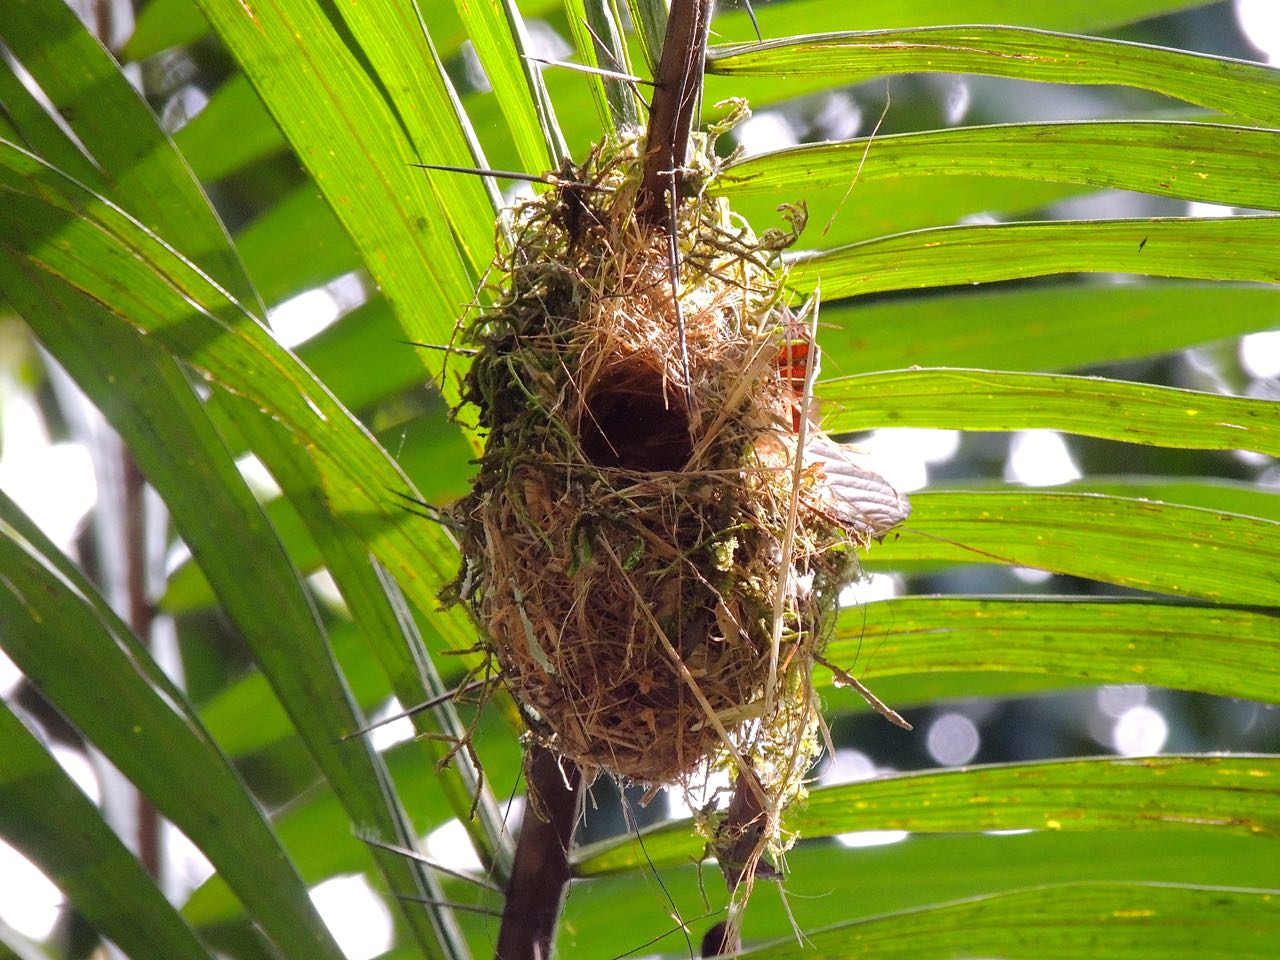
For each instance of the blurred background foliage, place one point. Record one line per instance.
(1045, 681)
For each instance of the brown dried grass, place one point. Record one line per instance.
(623, 541)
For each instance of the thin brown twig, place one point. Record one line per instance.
(428, 862)
(793, 511)
(141, 616)
(845, 679)
(597, 71)
(416, 708)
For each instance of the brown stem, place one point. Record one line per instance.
(740, 837)
(141, 619)
(540, 874)
(104, 22)
(739, 845)
(678, 85)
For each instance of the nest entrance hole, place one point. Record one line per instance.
(632, 419)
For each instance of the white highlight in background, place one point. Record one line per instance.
(683, 802)
(326, 590)
(10, 675)
(1040, 458)
(29, 902)
(451, 846)
(300, 318)
(77, 766)
(355, 915)
(1209, 211)
(1140, 731)
(389, 734)
(1030, 574)
(850, 766)
(902, 454)
(52, 483)
(953, 739)
(840, 116)
(957, 98)
(1260, 21)
(769, 130)
(1260, 354)
(876, 586)
(1115, 699)
(258, 477)
(186, 866)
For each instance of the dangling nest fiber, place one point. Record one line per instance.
(624, 540)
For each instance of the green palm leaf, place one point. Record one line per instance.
(114, 256)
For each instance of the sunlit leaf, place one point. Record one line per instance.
(1084, 921)
(1206, 162)
(1232, 794)
(1234, 87)
(1047, 328)
(1230, 651)
(44, 815)
(75, 652)
(1159, 547)
(996, 400)
(1236, 248)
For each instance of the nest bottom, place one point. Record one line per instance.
(604, 615)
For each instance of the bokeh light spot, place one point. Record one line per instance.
(29, 902)
(952, 739)
(354, 914)
(1260, 21)
(1140, 731)
(1040, 458)
(1115, 699)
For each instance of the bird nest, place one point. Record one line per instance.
(650, 566)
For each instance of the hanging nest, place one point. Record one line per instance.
(649, 568)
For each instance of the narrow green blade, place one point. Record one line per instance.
(649, 19)
(424, 239)
(392, 638)
(1229, 651)
(150, 402)
(1236, 248)
(76, 652)
(1083, 921)
(1091, 406)
(1058, 327)
(1237, 794)
(1191, 161)
(46, 817)
(497, 30)
(919, 870)
(102, 252)
(1234, 87)
(1225, 496)
(1081, 16)
(1160, 547)
(598, 39)
(131, 158)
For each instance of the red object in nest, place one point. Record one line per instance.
(859, 499)
(793, 365)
